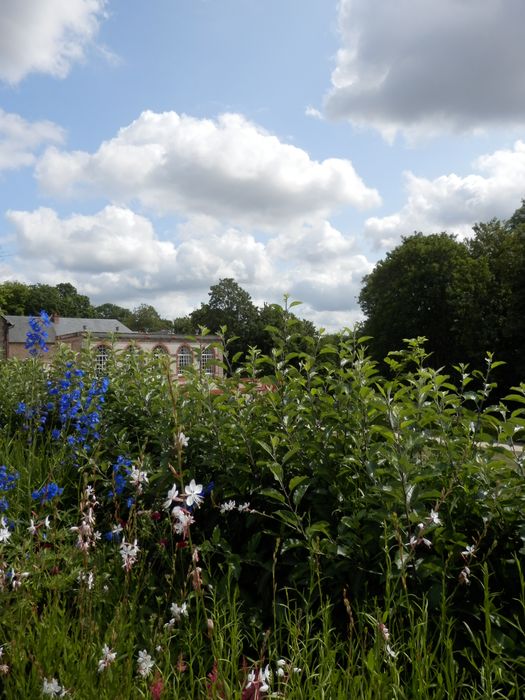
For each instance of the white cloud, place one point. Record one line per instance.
(230, 169)
(454, 203)
(19, 139)
(45, 36)
(116, 255)
(421, 66)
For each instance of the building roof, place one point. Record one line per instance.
(19, 326)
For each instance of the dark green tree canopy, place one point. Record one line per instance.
(466, 297)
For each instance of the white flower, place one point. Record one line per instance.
(181, 521)
(5, 534)
(88, 578)
(138, 478)
(193, 494)
(182, 440)
(129, 553)
(225, 507)
(470, 551)
(263, 679)
(243, 507)
(108, 657)
(434, 517)
(145, 663)
(172, 497)
(179, 610)
(32, 529)
(53, 688)
(390, 651)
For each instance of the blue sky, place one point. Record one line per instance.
(149, 149)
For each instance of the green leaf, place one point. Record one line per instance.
(296, 481)
(276, 470)
(299, 492)
(321, 527)
(287, 517)
(272, 493)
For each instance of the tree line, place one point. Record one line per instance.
(466, 297)
(229, 306)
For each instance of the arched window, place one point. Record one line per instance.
(207, 355)
(184, 358)
(160, 351)
(101, 359)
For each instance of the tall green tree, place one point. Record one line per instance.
(500, 247)
(108, 310)
(146, 319)
(427, 286)
(231, 306)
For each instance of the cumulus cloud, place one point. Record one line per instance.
(229, 168)
(116, 255)
(19, 139)
(421, 66)
(454, 203)
(45, 37)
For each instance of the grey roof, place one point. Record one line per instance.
(19, 325)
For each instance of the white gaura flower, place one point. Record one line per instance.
(171, 498)
(179, 610)
(182, 440)
(227, 506)
(5, 534)
(145, 664)
(53, 688)
(182, 520)
(434, 517)
(108, 657)
(470, 551)
(138, 478)
(129, 553)
(193, 494)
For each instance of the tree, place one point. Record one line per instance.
(427, 286)
(231, 306)
(73, 304)
(275, 316)
(500, 247)
(183, 325)
(13, 298)
(108, 310)
(145, 318)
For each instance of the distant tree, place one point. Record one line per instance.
(73, 304)
(13, 298)
(108, 310)
(145, 318)
(183, 325)
(231, 306)
(427, 286)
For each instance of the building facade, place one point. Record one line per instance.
(109, 335)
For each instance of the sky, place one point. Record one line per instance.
(150, 149)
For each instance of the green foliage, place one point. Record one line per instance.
(368, 530)
(466, 298)
(26, 300)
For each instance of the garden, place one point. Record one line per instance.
(306, 526)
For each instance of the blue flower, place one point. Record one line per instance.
(47, 493)
(36, 336)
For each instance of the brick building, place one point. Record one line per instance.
(110, 335)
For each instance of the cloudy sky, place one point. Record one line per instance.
(148, 149)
